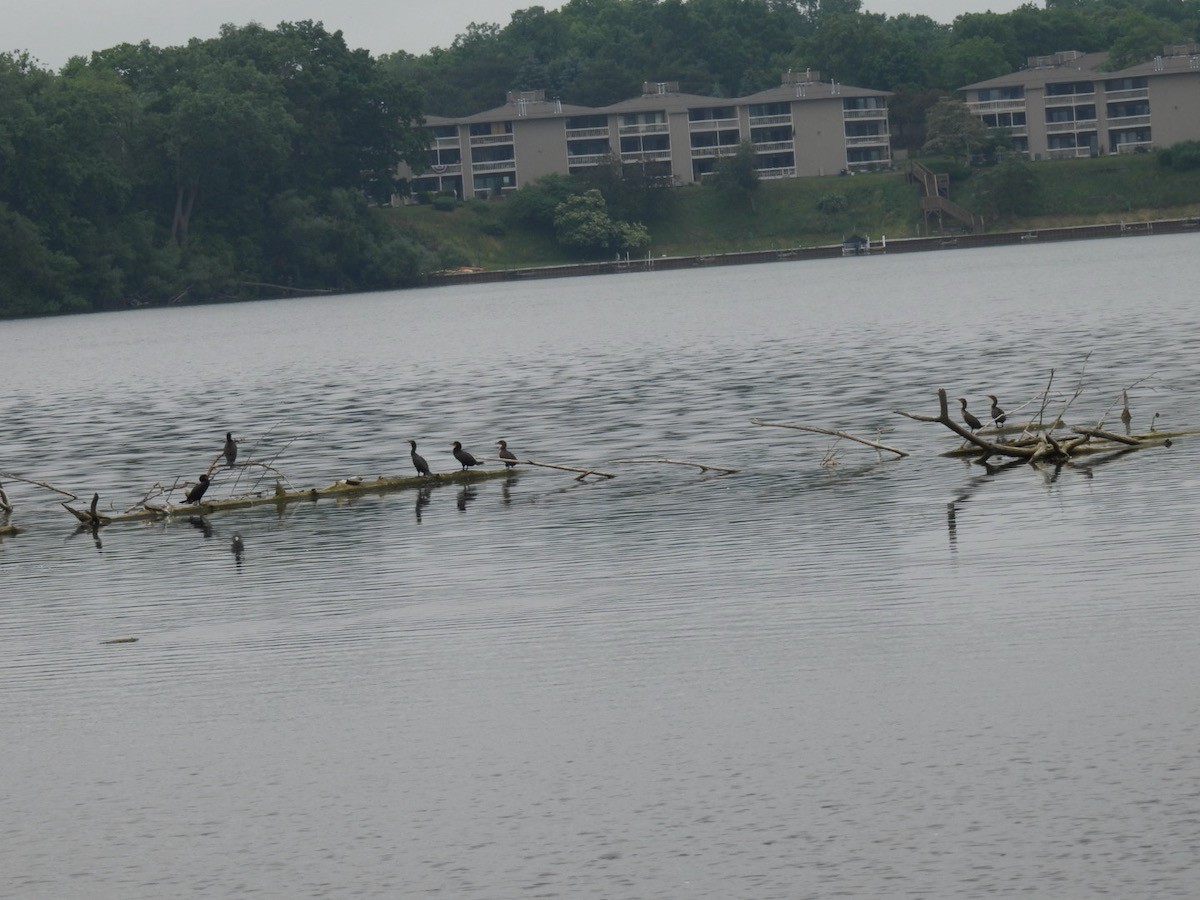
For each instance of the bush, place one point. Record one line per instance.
(494, 228)
(1182, 157)
(442, 203)
(833, 203)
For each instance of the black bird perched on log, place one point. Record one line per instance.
(464, 457)
(507, 455)
(197, 491)
(230, 451)
(419, 461)
(973, 423)
(998, 415)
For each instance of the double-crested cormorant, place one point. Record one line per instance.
(464, 457)
(197, 491)
(998, 415)
(237, 547)
(418, 460)
(1126, 415)
(230, 451)
(507, 455)
(973, 423)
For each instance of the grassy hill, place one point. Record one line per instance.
(806, 212)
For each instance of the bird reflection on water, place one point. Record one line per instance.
(465, 496)
(424, 496)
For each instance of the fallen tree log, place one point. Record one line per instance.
(342, 489)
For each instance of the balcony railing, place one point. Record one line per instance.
(500, 166)
(695, 125)
(775, 146)
(1133, 94)
(864, 113)
(869, 164)
(862, 140)
(573, 133)
(780, 172)
(1068, 127)
(980, 107)
(446, 169)
(1128, 121)
(1134, 146)
(756, 121)
(1069, 152)
(587, 159)
(446, 141)
(705, 152)
(646, 128)
(479, 140)
(1069, 99)
(647, 156)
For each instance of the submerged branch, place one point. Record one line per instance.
(841, 434)
(703, 467)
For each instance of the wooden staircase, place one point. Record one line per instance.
(935, 198)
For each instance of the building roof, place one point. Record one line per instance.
(518, 109)
(671, 101)
(811, 90)
(1082, 66)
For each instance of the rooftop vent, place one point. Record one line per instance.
(660, 87)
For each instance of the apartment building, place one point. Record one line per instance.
(1068, 105)
(803, 127)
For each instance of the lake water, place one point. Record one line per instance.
(876, 678)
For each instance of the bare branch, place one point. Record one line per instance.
(703, 467)
(840, 434)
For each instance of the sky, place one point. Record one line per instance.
(55, 30)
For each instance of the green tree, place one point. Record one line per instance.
(951, 128)
(737, 176)
(583, 222)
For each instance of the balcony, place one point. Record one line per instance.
(864, 113)
(1069, 153)
(756, 121)
(984, 107)
(1121, 96)
(781, 172)
(869, 164)
(1135, 146)
(706, 152)
(446, 169)
(1070, 127)
(702, 125)
(868, 140)
(645, 128)
(1068, 99)
(587, 159)
(573, 133)
(775, 147)
(1128, 121)
(647, 156)
(480, 140)
(504, 165)
(441, 142)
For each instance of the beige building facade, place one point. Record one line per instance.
(803, 127)
(1067, 105)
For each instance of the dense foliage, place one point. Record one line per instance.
(148, 174)
(597, 52)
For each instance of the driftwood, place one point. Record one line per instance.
(703, 467)
(5, 506)
(89, 517)
(1041, 446)
(834, 433)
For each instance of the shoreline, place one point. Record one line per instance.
(826, 251)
